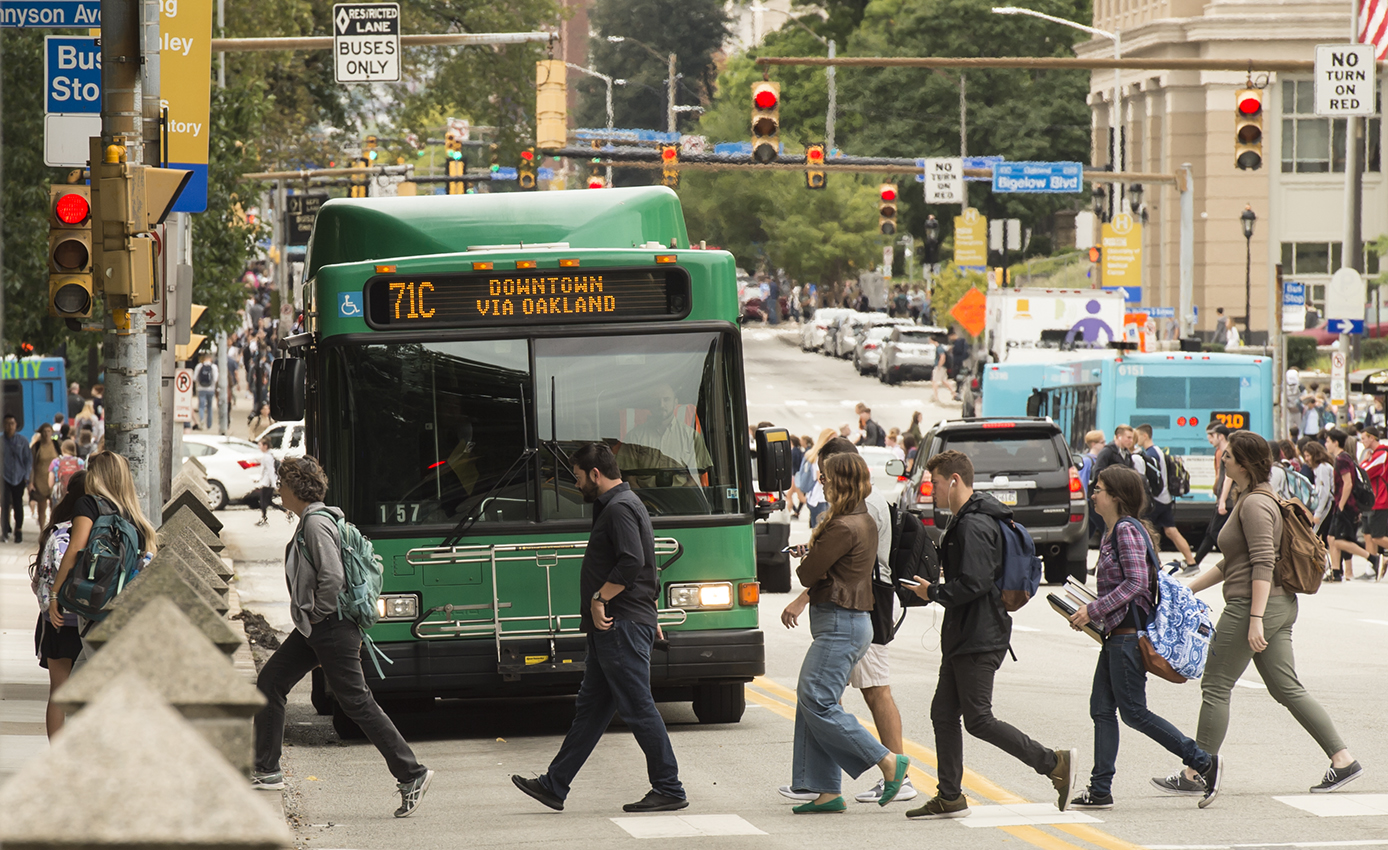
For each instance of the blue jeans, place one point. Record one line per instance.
(1120, 687)
(617, 678)
(205, 398)
(829, 740)
(817, 511)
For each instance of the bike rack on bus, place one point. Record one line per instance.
(550, 625)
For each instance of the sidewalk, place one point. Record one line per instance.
(23, 683)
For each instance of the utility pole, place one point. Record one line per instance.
(670, 97)
(831, 78)
(963, 132)
(158, 474)
(1352, 248)
(1186, 183)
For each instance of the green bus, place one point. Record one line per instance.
(456, 350)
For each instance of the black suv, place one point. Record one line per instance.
(1024, 463)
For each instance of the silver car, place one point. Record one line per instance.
(909, 354)
(815, 332)
(869, 349)
(852, 328)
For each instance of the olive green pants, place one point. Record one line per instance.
(1229, 657)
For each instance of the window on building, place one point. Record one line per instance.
(1312, 144)
(1303, 259)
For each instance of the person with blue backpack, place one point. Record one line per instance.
(1256, 624)
(1127, 574)
(327, 604)
(975, 636)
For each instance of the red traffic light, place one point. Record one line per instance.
(596, 182)
(669, 153)
(815, 154)
(71, 209)
(1250, 102)
(1094, 254)
(765, 99)
(527, 155)
(888, 193)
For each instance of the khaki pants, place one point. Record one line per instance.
(1229, 657)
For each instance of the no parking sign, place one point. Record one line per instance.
(183, 395)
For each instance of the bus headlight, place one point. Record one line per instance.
(703, 596)
(397, 606)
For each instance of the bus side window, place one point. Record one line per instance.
(48, 391)
(14, 403)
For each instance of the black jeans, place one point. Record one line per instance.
(965, 689)
(1211, 535)
(1120, 688)
(13, 499)
(336, 645)
(617, 678)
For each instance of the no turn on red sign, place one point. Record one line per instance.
(1345, 80)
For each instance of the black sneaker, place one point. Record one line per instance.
(1089, 800)
(1336, 777)
(654, 801)
(535, 788)
(1211, 779)
(412, 793)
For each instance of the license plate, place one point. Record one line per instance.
(1007, 497)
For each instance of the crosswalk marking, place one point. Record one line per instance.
(1339, 805)
(1021, 814)
(685, 826)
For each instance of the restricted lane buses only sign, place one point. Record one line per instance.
(366, 42)
(1345, 79)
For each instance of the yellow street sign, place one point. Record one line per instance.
(1122, 255)
(185, 90)
(970, 239)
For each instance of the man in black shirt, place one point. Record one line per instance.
(618, 589)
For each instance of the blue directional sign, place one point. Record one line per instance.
(50, 13)
(1037, 177)
(72, 75)
(505, 173)
(1131, 294)
(1345, 326)
(1160, 312)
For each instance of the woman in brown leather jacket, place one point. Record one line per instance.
(838, 572)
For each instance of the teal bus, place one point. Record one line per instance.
(1177, 393)
(457, 350)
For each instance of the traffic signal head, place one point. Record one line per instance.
(886, 209)
(1248, 129)
(670, 166)
(452, 144)
(370, 148)
(525, 174)
(766, 121)
(1095, 254)
(551, 104)
(815, 177)
(69, 251)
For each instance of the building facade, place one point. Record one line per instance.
(1171, 118)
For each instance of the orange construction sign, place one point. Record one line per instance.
(971, 312)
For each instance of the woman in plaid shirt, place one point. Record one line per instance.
(1126, 575)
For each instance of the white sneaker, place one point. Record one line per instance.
(907, 792)
(799, 796)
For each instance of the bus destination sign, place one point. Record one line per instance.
(1234, 420)
(524, 297)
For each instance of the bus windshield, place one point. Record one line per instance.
(427, 433)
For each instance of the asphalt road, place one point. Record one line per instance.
(341, 795)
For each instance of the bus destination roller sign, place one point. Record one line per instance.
(366, 42)
(518, 298)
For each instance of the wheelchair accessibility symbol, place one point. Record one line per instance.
(350, 307)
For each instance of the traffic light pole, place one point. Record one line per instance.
(158, 461)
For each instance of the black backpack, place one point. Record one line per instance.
(912, 555)
(205, 376)
(1362, 493)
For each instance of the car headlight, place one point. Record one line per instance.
(397, 606)
(701, 596)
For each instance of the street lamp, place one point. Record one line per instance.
(669, 79)
(932, 243)
(1115, 110)
(1097, 195)
(1135, 198)
(1247, 218)
(610, 83)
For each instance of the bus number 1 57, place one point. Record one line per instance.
(399, 512)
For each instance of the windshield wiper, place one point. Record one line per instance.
(475, 512)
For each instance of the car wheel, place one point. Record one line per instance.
(216, 495)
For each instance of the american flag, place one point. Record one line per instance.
(1373, 25)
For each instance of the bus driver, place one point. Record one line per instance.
(663, 443)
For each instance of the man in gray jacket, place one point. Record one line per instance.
(314, 573)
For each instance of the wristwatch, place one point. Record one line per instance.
(597, 597)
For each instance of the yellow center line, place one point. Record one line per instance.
(781, 700)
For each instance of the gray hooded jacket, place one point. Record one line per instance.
(314, 572)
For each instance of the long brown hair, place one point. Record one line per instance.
(1129, 494)
(847, 484)
(1315, 454)
(1251, 452)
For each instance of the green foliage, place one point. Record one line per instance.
(223, 243)
(1301, 351)
(1373, 349)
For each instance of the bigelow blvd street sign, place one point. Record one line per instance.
(366, 42)
(1345, 79)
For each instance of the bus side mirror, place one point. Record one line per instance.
(773, 460)
(288, 376)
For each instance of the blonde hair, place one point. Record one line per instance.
(824, 436)
(1094, 437)
(847, 485)
(108, 476)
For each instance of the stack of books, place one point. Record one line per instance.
(1075, 596)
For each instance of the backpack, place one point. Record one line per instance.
(1361, 492)
(883, 593)
(68, 465)
(1019, 576)
(204, 376)
(1176, 639)
(362, 575)
(110, 561)
(1152, 474)
(912, 555)
(1299, 487)
(1301, 552)
(1177, 478)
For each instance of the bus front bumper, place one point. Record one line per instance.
(469, 667)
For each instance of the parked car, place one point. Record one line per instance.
(286, 439)
(852, 327)
(908, 354)
(1325, 337)
(232, 464)
(815, 332)
(868, 351)
(1024, 463)
(884, 482)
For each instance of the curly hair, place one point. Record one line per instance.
(304, 478)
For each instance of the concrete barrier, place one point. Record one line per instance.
(198, 567)
(168, 584)
(163, 646)
(186, 519)
(195, 466)
(188, 499)
(169, 560)
(134, 774)
(192, 548)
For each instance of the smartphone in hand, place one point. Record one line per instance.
(906, 582)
